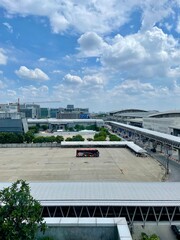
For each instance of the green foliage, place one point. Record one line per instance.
(68, 139)
(77, 138)
(44, 127)
(9, 137)
(29, 136)
(41, 139)
(89, 139)
(79, 127)
(34, 129)
(20, 214)
(144, 236)
(45, 238)
(59, 139)
(92, 127)
(113, 137)
(100, 138)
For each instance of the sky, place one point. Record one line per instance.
(101, 54)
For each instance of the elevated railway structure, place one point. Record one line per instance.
(140, 203)
(148, 137)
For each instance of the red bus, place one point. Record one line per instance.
(87, 152)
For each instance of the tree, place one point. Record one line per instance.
(20, 213)
(113, 137)
(29, 136)
(77, 138)
(144, 236)
(59, 139)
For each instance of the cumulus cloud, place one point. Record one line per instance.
(100, 16)
(3, 57)
(36, 74)
(91, 44)
(72, 79)
(144, 54)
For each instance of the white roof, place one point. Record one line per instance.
(63, 121)
(105, 193)
(131, 145)
(150, 132)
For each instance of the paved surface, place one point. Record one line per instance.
(174, 167)
(162, 231)
(48, 164)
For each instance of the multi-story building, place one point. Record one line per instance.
(73, 113)
(30, 110)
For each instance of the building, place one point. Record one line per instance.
(132, 117)
(55, 124)
(45, 112)
(13, 125)
(73, 113)
(54, 112)
(30, 110)
(165, 122)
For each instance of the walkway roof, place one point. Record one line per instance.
(131, 145)
(155, 134)
(105, 193)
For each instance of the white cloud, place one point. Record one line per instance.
(11, 93)
(3, 57)
(32, 92)
(100, 16)
(57, 71)
(91, 44)
(36, 74)
(8, 26)
(144, 54)
(42, 59)
(72, 79)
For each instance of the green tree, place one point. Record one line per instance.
(44, 127)
(59, 139)
(29, 136)
(10, 137)
(113, 137)
(144, 236)
(79, 127)
(34, 129)
(68, 139)
(77, 138)
(20, 213)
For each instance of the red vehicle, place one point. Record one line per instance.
(87, 152)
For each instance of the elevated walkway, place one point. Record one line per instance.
(157, 203)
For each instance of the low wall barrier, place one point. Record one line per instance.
(30, 145)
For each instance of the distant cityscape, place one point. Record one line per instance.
(16, 117)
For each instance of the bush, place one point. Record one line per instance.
(68, 139)
(59, 139)
(10, 137)
(45, 238)
(113, 137)
(100, 138)
(77, 138)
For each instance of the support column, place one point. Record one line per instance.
(178, 154)
(161, 147)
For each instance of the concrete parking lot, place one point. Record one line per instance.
(52, 164)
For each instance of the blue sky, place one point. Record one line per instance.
(101, 54)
